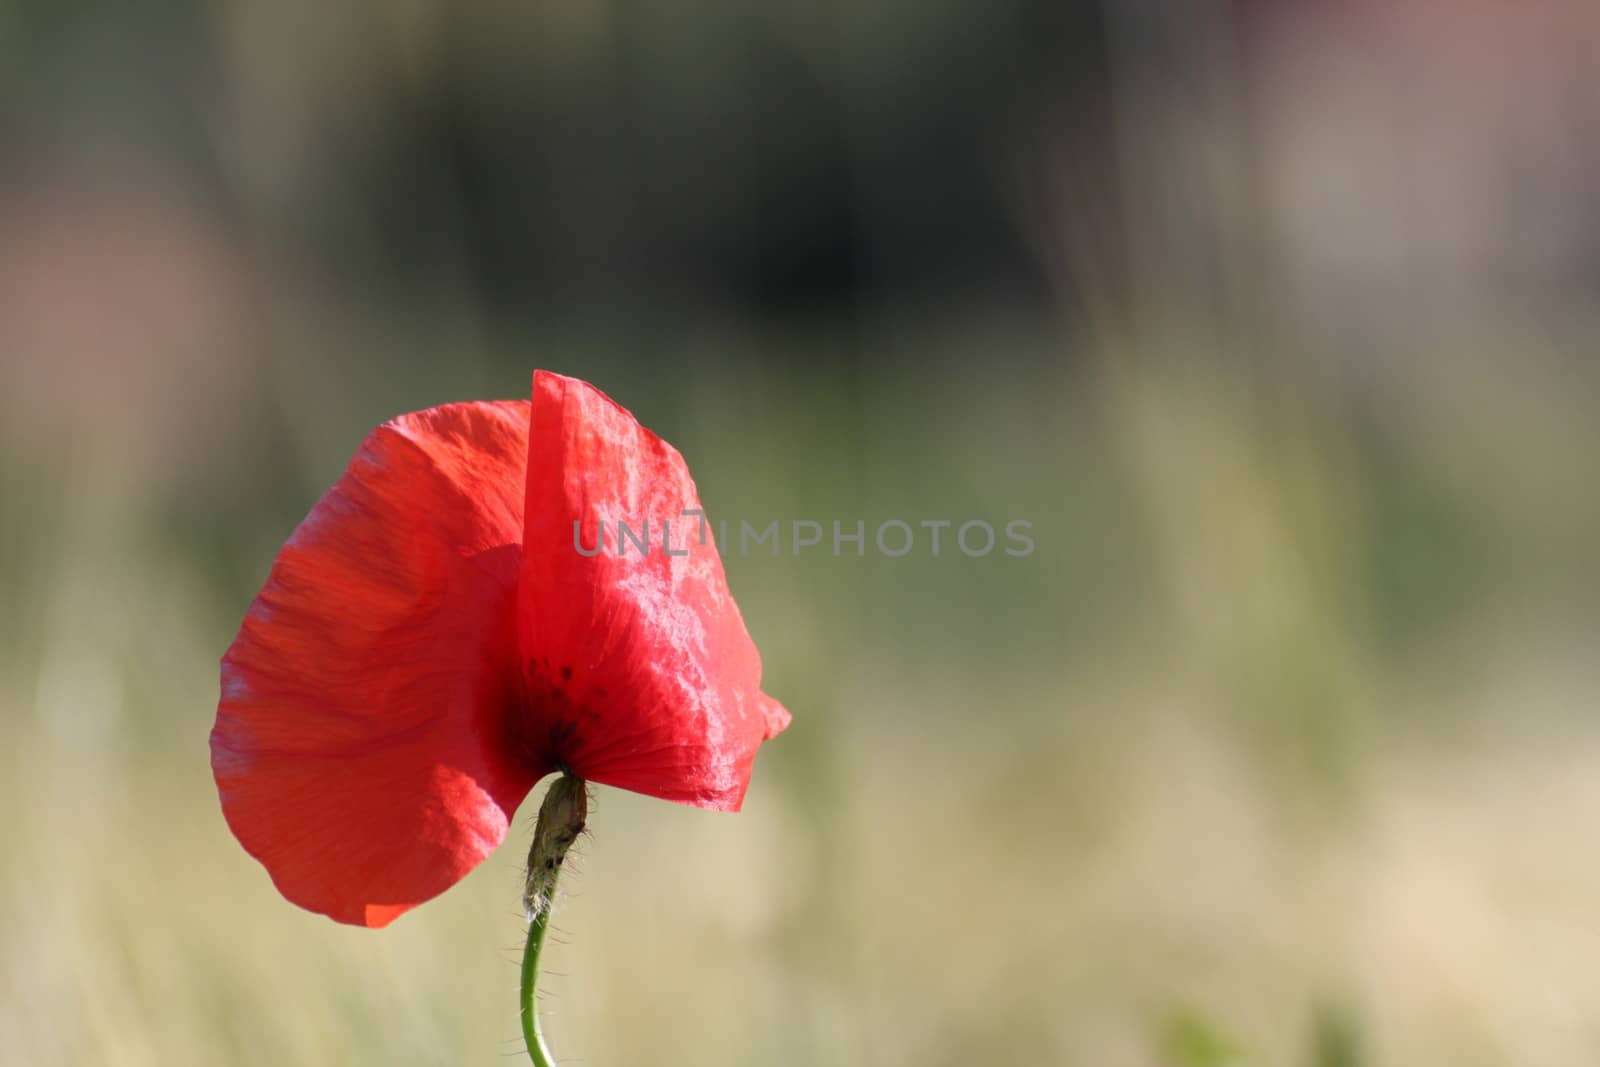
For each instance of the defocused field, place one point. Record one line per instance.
(1280, 749)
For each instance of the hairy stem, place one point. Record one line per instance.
(561, 820)
(538, 1051)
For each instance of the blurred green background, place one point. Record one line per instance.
(1276, 321)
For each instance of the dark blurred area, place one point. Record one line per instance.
(635, 161)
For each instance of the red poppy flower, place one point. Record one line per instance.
(431, 642)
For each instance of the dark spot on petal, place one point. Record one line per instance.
(566, 674)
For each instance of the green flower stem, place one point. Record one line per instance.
(538, 1051)
(561, 819)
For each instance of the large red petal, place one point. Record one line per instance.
(360, 744)
(639, 670)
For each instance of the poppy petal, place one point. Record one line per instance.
(639, 671)
(359, 747)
